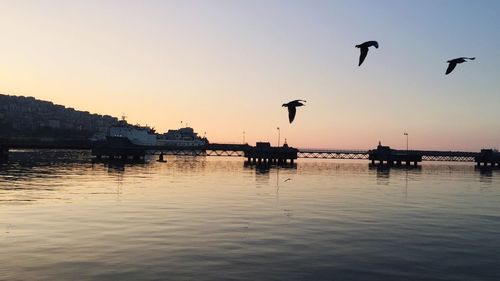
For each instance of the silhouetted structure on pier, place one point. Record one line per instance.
(263, 152)
(488, 157)
(390, 157)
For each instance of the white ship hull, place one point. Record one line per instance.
(136, 136)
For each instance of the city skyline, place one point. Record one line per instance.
(225, 67)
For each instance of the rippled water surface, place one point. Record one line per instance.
(195, 218)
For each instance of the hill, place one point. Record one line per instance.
(23, 118)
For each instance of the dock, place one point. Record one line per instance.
(120, 149)
(384, 155)
(262, 152)
(488, 158)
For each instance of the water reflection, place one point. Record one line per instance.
(114, 167)
(266, 167)
(42, 167)
(264, 171)
(383, 172)
(485, 174)
(119, 162)
(192, 218)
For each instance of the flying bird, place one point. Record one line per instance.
(364, 50)
(292, 108)
(453, 63)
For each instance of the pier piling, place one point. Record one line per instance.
(4, 153)
(160, 158)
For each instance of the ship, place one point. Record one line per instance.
(137, 135)
(124, 134)
(183, 137)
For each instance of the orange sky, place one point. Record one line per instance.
(225, 67)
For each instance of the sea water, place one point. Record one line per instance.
(63, 217)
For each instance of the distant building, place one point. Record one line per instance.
(54, 123)
(28, 116)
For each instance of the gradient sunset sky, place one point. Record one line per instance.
(225, 67)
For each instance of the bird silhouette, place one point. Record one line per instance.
(364, 50)
(453, 63)
(292, 108)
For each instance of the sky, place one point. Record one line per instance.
(225, 67)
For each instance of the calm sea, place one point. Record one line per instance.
(63, 217)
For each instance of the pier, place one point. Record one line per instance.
(122, 149)
(386, 155)
(488, 158)
(262, 152)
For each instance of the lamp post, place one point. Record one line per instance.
(278, 128)
(406, 134)
(243, 137)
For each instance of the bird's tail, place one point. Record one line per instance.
(472, 58)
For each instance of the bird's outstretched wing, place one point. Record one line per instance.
(372, 43)
(296, 103)
(291, 113)
(362, 56)
(450, 68)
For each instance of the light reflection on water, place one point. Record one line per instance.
(193, 218)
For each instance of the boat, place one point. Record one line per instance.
(183, 137)
(137, 135)
(126, 134)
